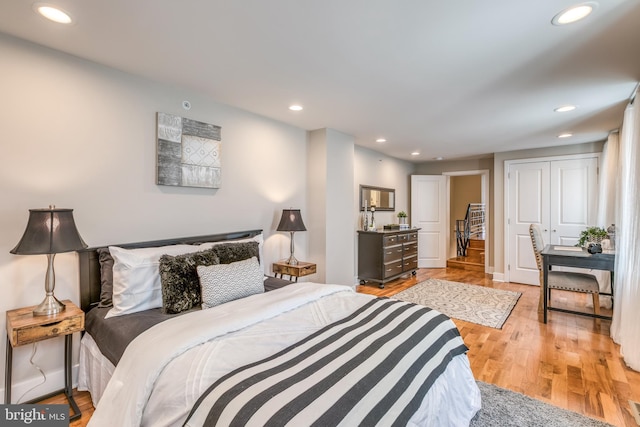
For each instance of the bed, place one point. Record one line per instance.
(299, 354)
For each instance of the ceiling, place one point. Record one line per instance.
(452, 79)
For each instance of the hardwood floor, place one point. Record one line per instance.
(570, 362)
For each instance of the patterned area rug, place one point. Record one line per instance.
(473, 303)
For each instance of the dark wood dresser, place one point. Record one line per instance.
(386, 255)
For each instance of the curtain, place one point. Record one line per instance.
(607, 196)
(625, 327)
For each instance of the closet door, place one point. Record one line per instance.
(558, 195)
(528, 199)
(574, 201)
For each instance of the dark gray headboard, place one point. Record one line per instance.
(90, 267)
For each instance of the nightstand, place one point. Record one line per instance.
(25, 328)
(299, 270)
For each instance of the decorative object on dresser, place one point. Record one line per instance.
(23, 327)
(188, 152)
(298, 270)
(386, 255)
(291, 221)
(403, 220)
(49, 231)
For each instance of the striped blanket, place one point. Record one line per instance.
(373, 367)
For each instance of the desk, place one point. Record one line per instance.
(568, 256)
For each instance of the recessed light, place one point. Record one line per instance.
(574, 13)
(415, 153)
(381, 140)
(53, 13)
(565, 135)
(565, 108)
(295, 107)
(438, 158)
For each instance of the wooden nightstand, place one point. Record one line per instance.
(302, 269)
(25, 328)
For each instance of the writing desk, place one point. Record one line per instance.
(572, 256)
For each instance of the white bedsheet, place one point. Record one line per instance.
(158, 380)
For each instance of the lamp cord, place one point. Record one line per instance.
(44, 377)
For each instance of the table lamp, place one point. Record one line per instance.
(291, 221)
(49, 231)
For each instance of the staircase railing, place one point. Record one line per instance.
(472, 226)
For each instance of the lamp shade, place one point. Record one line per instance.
(49, 231)
(291, 221)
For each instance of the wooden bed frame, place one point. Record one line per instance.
(90, 266)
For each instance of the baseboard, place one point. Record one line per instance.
(498, 277)
(54, 382)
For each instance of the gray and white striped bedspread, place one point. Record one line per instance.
(373, 367)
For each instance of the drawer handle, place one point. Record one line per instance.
(389, 269)
(50, 324)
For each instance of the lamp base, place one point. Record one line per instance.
(49, 306)
(292, 260)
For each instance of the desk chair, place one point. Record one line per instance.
(564, 280)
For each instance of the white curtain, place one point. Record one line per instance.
(607, 196)
(625, 327)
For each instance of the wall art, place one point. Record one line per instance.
(188, 152)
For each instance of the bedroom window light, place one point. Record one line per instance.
(53, 13)
(574, 13)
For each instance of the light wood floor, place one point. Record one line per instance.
(570, 362)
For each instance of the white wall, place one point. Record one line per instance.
(331, 195)
(82, 136)
(379, 170)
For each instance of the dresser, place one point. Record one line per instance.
(386, 255)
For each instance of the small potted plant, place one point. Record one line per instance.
(402, 217)
(592, 235)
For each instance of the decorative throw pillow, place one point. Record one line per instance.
(106, 277)
(180, 282)
(136, 278)
(222, 283)
(233, 252)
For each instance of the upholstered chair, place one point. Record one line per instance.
(563, 280)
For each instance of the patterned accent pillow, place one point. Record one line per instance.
(179, 279)
(106, 277)
(233, 252)
(227, 282)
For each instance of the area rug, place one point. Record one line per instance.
(502, 407)
(472, 303)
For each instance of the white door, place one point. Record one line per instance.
(574, 201)
(429, 201)
(559, 196)
(528, 204)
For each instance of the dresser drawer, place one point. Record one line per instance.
(410, 249)
(392, 253)
(392, 268)
(412, 237)
(410, 263)
(390, 240)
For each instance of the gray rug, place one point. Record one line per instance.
(501, 407)
(473, 303)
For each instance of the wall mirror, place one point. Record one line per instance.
(383, 199)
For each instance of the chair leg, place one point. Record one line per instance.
(596, 303)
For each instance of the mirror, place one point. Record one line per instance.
(383, 199)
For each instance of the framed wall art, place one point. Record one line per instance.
(188, 152)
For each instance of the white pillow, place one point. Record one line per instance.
(136, 277)
(227, 282)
